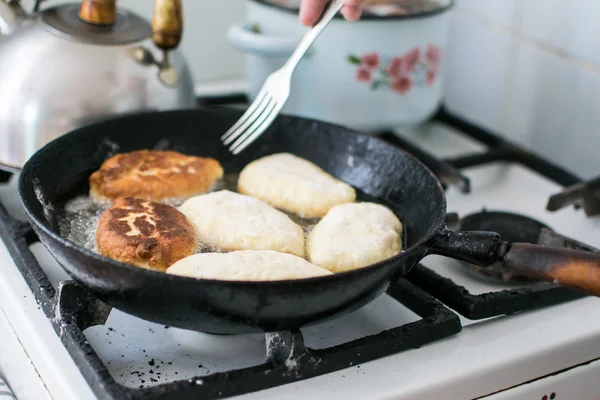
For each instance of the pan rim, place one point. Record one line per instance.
(28, 168)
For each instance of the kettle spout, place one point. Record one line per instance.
(11, 14)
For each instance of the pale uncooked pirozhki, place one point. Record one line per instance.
(232, 221)
(294, 184)
(246, 265)
(354, 235)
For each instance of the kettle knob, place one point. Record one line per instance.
(98, 12)
(167, 24)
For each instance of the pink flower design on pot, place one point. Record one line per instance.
(399, 73)
(431, 75)
(433, 56)
(396, 67)
(412, 58)
(363, 75)
(402, 84)
(371, 60)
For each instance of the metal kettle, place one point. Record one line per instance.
(68, 65)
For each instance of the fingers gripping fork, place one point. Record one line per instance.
(275, 92)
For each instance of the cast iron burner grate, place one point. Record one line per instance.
(71, 310)
(508, 301)
(586, 195)
(505, 302)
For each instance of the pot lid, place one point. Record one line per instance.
(127, 28)
(381, 9)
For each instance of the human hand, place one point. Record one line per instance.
(311, 10)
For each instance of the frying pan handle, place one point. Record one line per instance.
(566, 267)
(479, 248)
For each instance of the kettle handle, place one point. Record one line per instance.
(167, 24)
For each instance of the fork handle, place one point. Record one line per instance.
(332, 9)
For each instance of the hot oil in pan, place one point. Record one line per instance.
(79, 220)
(81, 215)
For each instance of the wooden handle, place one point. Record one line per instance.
(98, 12)
(570, 268)
(576, 269)
(167, 24)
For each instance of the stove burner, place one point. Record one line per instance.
(512, 228)
(586, 195)
(288, 358)
(530, 296)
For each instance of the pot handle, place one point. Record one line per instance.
(566, 267)
(245, 37)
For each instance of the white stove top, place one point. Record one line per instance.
(487, 356)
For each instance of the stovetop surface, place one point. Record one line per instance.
(491, 353)
(171, 354)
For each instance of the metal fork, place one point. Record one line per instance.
(275, 91)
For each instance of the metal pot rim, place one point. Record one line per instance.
(370, 17)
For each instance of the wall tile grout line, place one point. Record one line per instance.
(516, 34)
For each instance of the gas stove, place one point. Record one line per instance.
(446, 331)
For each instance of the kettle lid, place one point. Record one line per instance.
(126, 27)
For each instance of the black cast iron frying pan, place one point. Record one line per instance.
(61, 169)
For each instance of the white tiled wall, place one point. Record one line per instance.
(530, 69)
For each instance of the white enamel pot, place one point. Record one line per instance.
(373, 74)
